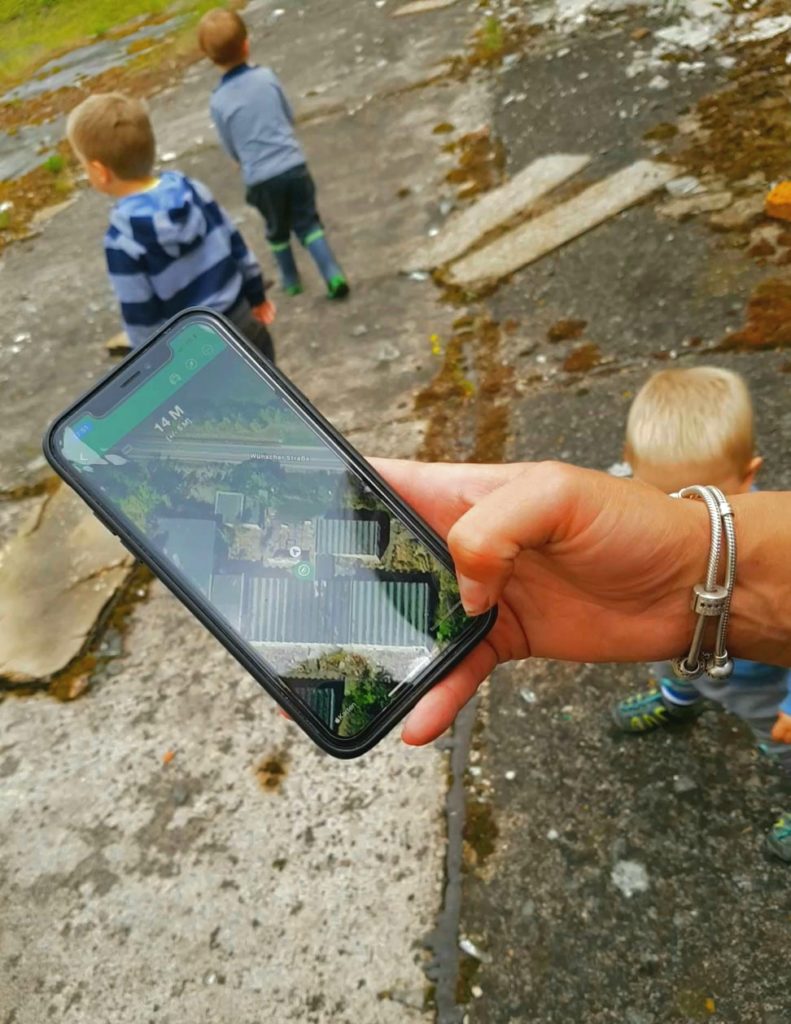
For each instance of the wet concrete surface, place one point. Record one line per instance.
(60, 297)
(149, 872)
(185, 852)
(706, 940)
(574, 94)
(568, 801)
(176, 851)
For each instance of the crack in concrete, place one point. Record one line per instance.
(443, 941)
(47, 485)
(98, 573)
(115, 613)
(49, 490)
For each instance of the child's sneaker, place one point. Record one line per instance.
(293, 289)
(644, 712)
(337, 288)
(778, 841)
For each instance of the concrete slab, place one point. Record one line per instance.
(173, 849)
(56, 576)
(170, 881)
(563, 223)
(422, 7)
(64, 302)
(497, 207)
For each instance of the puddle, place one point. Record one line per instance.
(32, 113)
(89, 61)
(26, 148)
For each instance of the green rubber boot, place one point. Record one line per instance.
(337, 287)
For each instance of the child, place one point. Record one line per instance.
(169, 244)
(255, 125)
(695, 426)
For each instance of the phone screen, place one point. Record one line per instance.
(220, 474)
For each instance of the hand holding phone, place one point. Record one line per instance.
(281, 539)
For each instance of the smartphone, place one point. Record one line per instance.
(213, 469)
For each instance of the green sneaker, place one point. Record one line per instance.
(293, 289)
(644, 712)
(337, 288)
(778, 841)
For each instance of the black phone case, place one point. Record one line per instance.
(270, 681)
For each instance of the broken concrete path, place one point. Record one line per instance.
(422, 6)
(497, 208)
(56, 577)
(559, 225)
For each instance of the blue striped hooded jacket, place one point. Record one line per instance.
(174, 246)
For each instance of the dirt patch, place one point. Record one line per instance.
(466, 403)
(159, 63)
(480, 164)
(494, 39)
(22, 198)
(47, 485)
(480, 833)
(583, 358)
(272, 771)
(662, 132)
(768, 318)
(149, 73)
(747, 125)
(568, 329)
(78, 677)
(468, 968)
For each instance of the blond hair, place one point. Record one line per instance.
(699, 415)
(222, 35)
(116, 131)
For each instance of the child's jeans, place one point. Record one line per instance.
(755, 700)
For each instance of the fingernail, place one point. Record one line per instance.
(474, 595)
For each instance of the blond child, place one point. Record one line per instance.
(169, 245)
(695, 426)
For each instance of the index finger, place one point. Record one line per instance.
(441, 492)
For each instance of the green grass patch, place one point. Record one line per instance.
(31, 31)
(492, 35)
(55, 163)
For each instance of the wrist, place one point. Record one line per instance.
(760, 627)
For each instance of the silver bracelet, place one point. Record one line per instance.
(711, 599)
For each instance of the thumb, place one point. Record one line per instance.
(525, 513)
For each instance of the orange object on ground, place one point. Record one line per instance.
(168, 756)
(778, 202)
